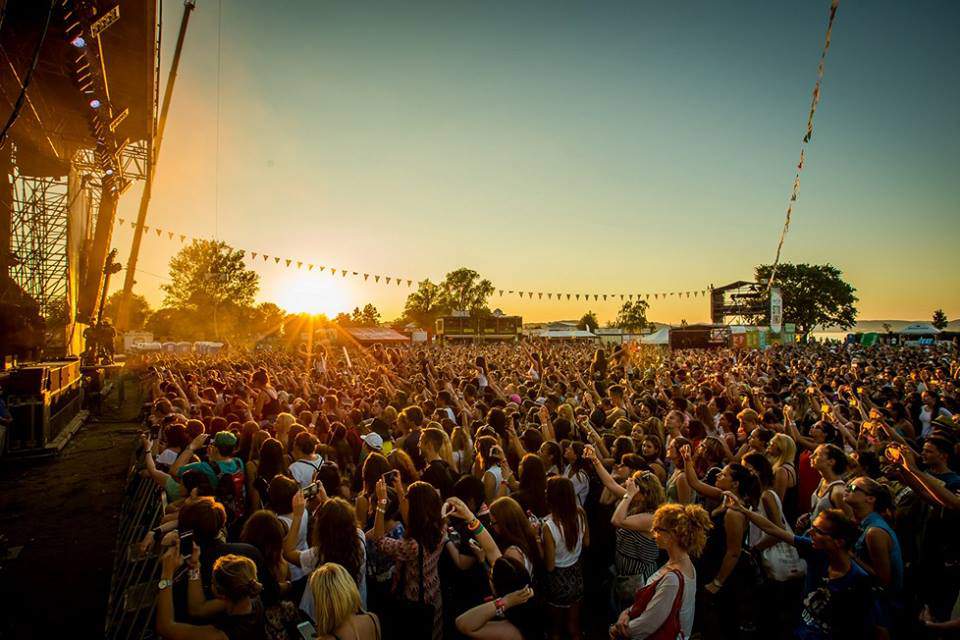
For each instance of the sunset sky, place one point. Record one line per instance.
(615, 147)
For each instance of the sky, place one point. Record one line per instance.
(615, 147)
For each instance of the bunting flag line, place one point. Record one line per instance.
(528, 295)
(814, 101)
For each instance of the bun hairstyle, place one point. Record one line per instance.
(688, 524)
(235, 578)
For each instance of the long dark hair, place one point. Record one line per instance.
(513, 528)
(335, 534)
(374, 467)
(533, 484)
(423, 515)
(265, 531)
(562, 503)
(271, 461)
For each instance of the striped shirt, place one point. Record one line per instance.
(636, 554)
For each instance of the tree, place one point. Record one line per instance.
(588, 322)
(633, 316)
(940, 319)
(887, 327)
(139, 309)
(208, 273)
(813, 295)
(464, 290)
(366, 317)
(343, 320)
(425, 305)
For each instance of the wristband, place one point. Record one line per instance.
(500, 605)
(193, 574)
(474, 525)
(717, 584)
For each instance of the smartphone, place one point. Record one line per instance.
(307, 630)
(311, 490)
(391, 477)
(186, 543)
(454, 535)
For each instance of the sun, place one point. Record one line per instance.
(313, 294)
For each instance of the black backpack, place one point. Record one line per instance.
(231, 491)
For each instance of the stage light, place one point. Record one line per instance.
(109, 172)
(79, 42)
(94, 104)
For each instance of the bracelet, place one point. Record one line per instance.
(717, 584)
(501, 606)
(474, 525)
(383, 502)
(381, 510)
(193, 574)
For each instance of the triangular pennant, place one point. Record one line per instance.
(355, 273)
(549, 296)
(288, 261)
(388, 279)
(409, 283)
(309, 267)
(159, 232)
(343, 273)
(169, 235)
(521, 293)
(510, 292)
(530, 294)
(501, 293)
(253, 255)
(376, 278)
(630, 297)
(146, 228)
(398, 281)
(276, 260)
(133, 225)
(604, 297)
(322, 268)
(688, 294)
(655, 296)
(595, 296)
(568, 297)
(182, 238)
(366, 277)
(299, 264)
(265, 257)
(121, 220)
(539, 296)
(648, 296)
(621, 296)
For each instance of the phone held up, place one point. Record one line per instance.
(186, 543)
(311, 490)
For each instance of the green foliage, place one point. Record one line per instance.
(588, 322)
(633, 316)
(366, 317)
(208, 273)
(940, 319)
(465, 290)
(425, 305)
(813, 295)
(139, 309)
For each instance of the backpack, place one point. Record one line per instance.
(231, 491)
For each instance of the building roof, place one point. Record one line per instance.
(376, 334)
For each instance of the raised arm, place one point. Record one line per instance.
(612, 485)
(691, 475)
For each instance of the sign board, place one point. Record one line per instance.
(776, 309)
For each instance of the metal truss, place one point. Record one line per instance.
(39, 222)
(133, 160)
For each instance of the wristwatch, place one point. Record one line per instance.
(163, 584)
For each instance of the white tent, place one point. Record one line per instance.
(919, 329)
(660, 336)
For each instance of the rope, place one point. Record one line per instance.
(18, 105)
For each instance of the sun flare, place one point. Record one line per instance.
(313, 294)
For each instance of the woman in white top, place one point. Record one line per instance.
(681, 531)
(565, 534)
(576, 470)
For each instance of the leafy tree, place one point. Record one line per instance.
(887, 327)
(366, 317)
(344, 320)
(813, 294)
(425, 305)
(940, 319)
(588, 322)
(139, 309)
(633, 316)
(208, 273)
(463, 289)
(172, 324)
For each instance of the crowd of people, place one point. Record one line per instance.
(531, 490)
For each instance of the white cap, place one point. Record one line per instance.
(373, 440)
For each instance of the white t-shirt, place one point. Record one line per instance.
(304, 470)
(581, 484)
(296, 572)
(661, 604)
(167, 457)
(309, 560)
(564, 557)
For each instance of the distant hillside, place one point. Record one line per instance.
(866, 326)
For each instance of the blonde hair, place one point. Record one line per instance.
(566, 411)
(687, 523)
(335, 597)
(283, 422)
(235, 578)
(651, 494)
(787, 447)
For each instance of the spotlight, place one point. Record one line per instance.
(94, 104)
(109, 172)
(79, 42)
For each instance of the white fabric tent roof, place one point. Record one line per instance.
(919, 329)
(563, 333)
(660, 336)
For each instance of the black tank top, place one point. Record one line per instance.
(249, 626)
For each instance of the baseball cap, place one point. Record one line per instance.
(373, 440)
(225, 439)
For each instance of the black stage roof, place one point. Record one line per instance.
(54, 123)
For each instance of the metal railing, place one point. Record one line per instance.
(133, 585)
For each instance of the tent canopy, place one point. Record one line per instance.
(919, 329)
(660, 336)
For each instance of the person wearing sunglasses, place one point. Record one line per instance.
(838, 599)
(877, 549)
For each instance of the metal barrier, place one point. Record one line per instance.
(133, 585)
